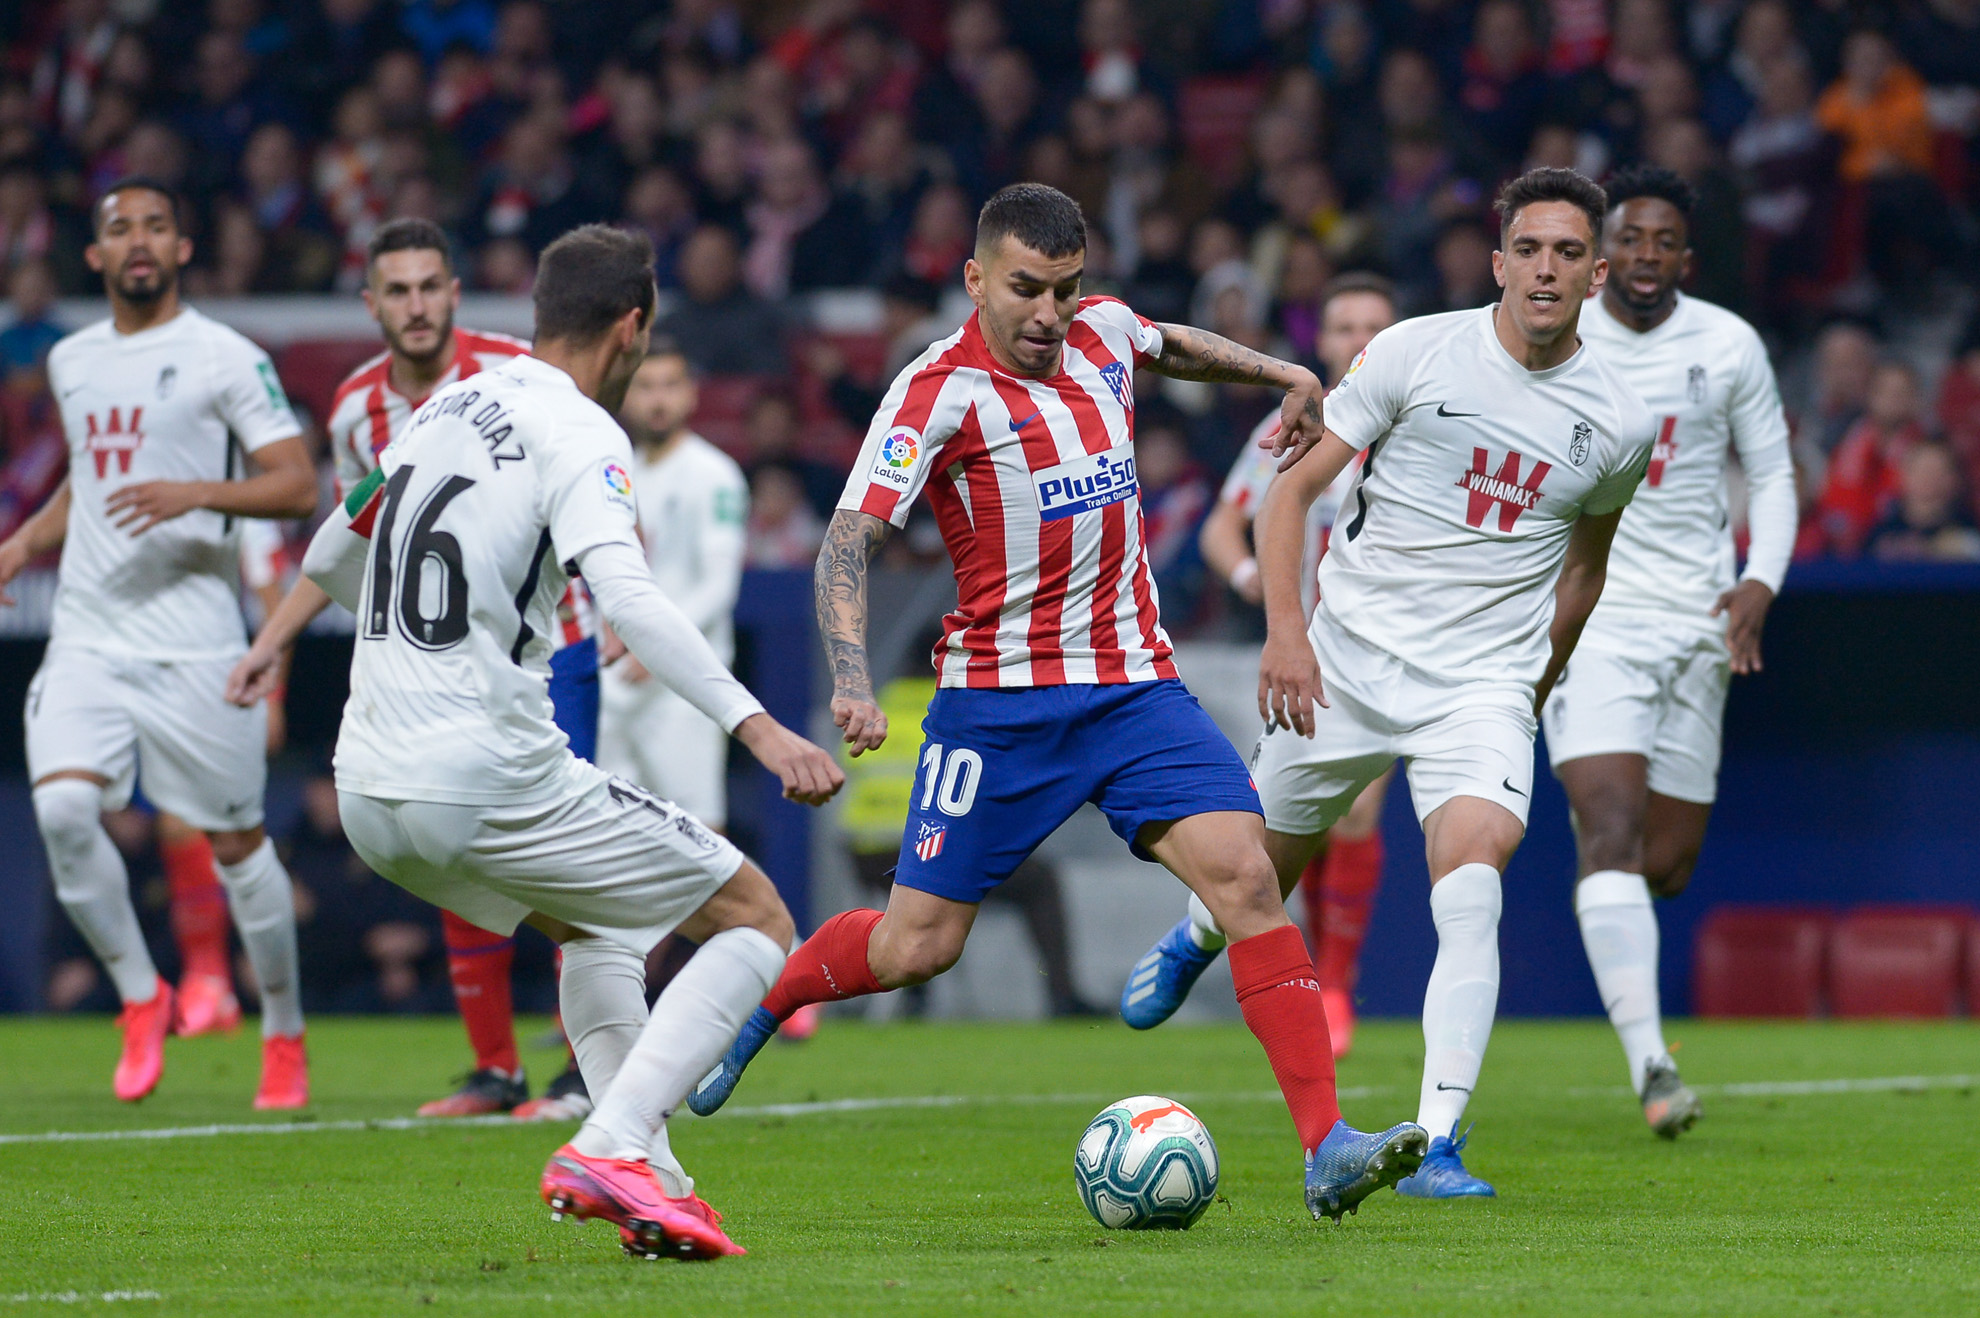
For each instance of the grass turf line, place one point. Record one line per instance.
(1848, 1202)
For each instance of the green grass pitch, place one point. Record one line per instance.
(1788, 1198)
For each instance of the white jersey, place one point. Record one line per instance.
(1476, 470)
(693, 502)
(480, 507)
(1251, 476)
(1705, 376)
(178, 402)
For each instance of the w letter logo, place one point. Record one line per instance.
(1503, 487)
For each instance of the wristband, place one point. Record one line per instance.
(1244, 574)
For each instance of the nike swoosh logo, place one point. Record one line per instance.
(1462, 1089)
(1443, 410)
(1507, 784)
(1020, 425)
(73, 389)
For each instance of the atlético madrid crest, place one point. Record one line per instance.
(1578, 446)
(1118, 380)
(929, 845)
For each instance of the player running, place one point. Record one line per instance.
(1633, 726)
(693, 502)
(454, 782)
(1341, 882)
(412, 292)
(1057, 685)
(1498, 456)
(162, 407)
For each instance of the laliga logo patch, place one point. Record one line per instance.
(1120, 383)
(618, 485)
(894, 464)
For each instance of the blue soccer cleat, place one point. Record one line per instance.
(1350, 1165)
(1443, 1176)
(1162, 979)
(717, 1085)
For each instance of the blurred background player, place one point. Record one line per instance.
(1633, 728)
(154, 403)
(411, 290)
(1057, 684)
(1339, 887)
(693, 504)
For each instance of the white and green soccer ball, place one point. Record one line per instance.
(1146, 1163)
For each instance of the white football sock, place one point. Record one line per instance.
(602, 992)
(1619, 929)
(693, 1024)
(92, 884)
(1463, 994)
(264, 910)
(1203, 926)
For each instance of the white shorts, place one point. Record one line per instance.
(1462, 739)
(1645, 688)
(169, 724)
(605, 856)
(649, 735)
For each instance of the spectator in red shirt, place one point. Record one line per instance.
(1929, 521)
(1864, 479)
(1959, 403)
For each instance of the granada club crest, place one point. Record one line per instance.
(113, 436)
(1578, 446)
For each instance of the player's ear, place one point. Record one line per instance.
(1499, 268)
(1600, 276)
(1684, 267)
(453, 293)
(973, 280)
(185, 250)
(93, 258)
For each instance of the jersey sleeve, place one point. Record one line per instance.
(924, 408)
(1144, 334)
(1251, 475)
(250, 397)
(1760, 436)
(1371, 396)
(721, 545)
(1618, 485)
(586, 488)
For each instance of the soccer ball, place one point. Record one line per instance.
(1146, 1163)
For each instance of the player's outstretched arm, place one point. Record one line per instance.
(839, 583)
(1193, 354)
(663, 638)
(260, 670)
(283, 484)
(36, 536)
(1583, 574)
(1288, 673)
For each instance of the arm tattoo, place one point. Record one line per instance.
(839, 585)
(1194, 354)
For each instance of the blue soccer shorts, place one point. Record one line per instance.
(1001, 769)
(574, 695)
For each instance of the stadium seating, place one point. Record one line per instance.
(1897, 961)
(1760, 961)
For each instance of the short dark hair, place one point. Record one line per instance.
(1552, 184)
(589, 278)
(141, 183)
(1040, 216)
(409, 234)
(666, 345)
(1359, 281)
(1633, 181)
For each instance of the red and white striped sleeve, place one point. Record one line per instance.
(1110, 316)
(922, 411)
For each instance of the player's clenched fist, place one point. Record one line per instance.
(862, 722)
(809, 773)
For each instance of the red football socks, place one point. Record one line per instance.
(478, 962)
(830, 965)
(1280, 999)
(1352, 874)
(199, 905)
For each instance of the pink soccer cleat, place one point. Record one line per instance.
(145, 1025)
(626, 1193)
(803, 1023)
(284, 1074)
(206, 1005)
(694, 1205)
(1338, 1004)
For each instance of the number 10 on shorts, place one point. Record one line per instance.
(949, 782)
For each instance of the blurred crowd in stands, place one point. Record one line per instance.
(1232, 156)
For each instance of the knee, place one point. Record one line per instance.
(234, 847)
(1242, 891)
(1610, 836)
(69, 813)
(914, 956)
(1671, 876)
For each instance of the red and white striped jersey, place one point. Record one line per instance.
(1032, 483)
(367, 413)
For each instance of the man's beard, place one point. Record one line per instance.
(161, 283)
(439, 348)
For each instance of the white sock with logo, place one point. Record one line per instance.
(264, 910)
(1463, 994)
(602, 994)
(695, 1021)
(92, 884)
(1203, 926)
(1619, 929)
